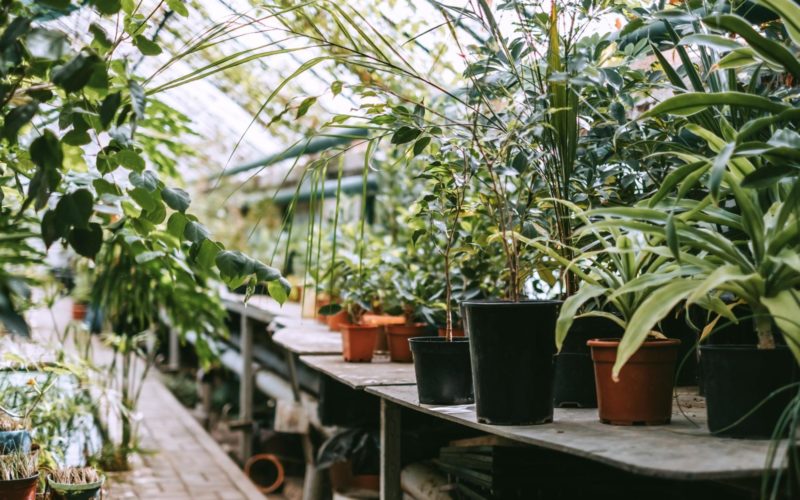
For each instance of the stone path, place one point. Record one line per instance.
(185, 463)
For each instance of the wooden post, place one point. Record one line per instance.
(246, 388)
(312, 482)
(174, 363)
(391, 427)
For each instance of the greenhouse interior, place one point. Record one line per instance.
(400, 249)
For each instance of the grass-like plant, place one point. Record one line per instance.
(18, 466)
(75, 475)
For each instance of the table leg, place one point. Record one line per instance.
(312, 482)
(174, 350)
(246, 388)
(391, 427)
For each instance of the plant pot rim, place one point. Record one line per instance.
(740, 347)
(20, 480)
(509, 303)
(360, 326)
(437, 340)
(647, 344)
(75, 487)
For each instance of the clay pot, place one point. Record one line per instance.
(383, 319)
(79, 311)
(60, 491)
(643, 394)
(335, 321)
(399, 350)
(20, 489)
(457, 332)
(343, 478)
(358, 342)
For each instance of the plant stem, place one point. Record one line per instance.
(764, 330)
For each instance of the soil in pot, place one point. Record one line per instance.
(512, 345)
(738, 379)
(443, 369)
(398, 336)
(643, 394)
(20, 489)
(574, 385)
(358, 342)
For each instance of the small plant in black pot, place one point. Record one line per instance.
(75, 483)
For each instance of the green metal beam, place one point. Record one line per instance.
(311, 145)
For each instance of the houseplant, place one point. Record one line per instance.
(75, 483)
(19, 476)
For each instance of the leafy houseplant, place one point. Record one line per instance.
(75, 483)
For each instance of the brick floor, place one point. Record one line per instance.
(184, 463)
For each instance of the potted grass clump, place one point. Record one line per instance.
(19, 475)
(619, 283)
(75, 483)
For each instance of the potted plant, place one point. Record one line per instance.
(14, 434)
(19, 475)
(75, 483)
(620, 280)
(409, 285)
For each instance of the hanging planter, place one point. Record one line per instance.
(739, 381)
(358, 342)
(443, 370)
(511, 348)
(643, 393)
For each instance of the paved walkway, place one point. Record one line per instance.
(186, 462)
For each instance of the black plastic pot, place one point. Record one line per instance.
(444, 376)
(512, 345)
(738, 379)
(574, 385)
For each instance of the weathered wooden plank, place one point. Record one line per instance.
(391, 429)
(681, 450)
(361, 375)
(260, 307)
(302, 340)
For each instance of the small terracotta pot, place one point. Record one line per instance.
(358, 342)
(343, 479)
(643, 394)
(457, 332)
(399, 350)
(79, 311)
(20, 489)
(335, 321)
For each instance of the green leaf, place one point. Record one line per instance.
(18, 118)
(768, 176)
(716, 42)
(138, 98)
(144, 198)
(673, 241)
(196, 232)
(75, 74)
(694, 102)
(421, 144)
(178, 7)
(146, 180)
(336, 88)
(278, 290)
(718, 168)
(738, 58)
(109, 108)
(787, 10)
(655, 307)
(207, 254)
(107, 7)
(48, 156)
(570, 309)
(304, 106)
(148, 256)
(75, 209)
(52, 230)
(131, 160)
(329, 309)
(176, 225)
(263, 272)
(785, 310)
(176, 199)
(102, 187)
(146, 46)
(87, 241)
(405, 134)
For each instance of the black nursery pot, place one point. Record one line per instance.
(444, 376)
(574, 385)
(512, 345)
(737, 378)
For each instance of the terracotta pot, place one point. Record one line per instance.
(20, 489)
(382, 319)
(79, 311)
(643, 394)
(358, 342)
(335, 321)
(343, 479)
(399, 350)
(457, 332)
